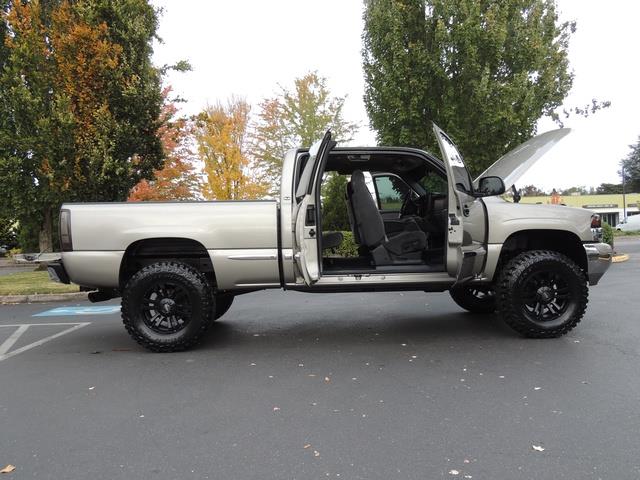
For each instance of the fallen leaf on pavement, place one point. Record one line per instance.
(276, 409)
(454, 472)
(537, 448)
(307, 445)
(316, 453)
(8, 469)
(327, 379)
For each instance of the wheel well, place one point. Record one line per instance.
(560, 241)
(151, 250)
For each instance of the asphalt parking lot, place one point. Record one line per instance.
(353, 386)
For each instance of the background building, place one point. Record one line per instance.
(610, 207)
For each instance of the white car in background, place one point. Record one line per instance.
(631, 224)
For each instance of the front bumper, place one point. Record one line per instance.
(599, 257)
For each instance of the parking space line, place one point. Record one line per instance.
(9, 342)
(4, 355)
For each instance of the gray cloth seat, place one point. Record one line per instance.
(406, 247)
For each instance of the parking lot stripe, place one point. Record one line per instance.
(75, 327)
(9, 342)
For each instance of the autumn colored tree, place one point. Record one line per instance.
(177, 179)
(221, 136)
(79, 105)
(296, 118)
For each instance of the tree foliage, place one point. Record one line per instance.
(334, 208)
(295, 118)
(79, 105)
(631, 165)
(177, 179)
(531, 191)
(221, 136)
(485, 71)
(609, 188)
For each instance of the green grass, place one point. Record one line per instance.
(29, 283)
(620, 233)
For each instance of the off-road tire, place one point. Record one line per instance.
(474, 299)
(525, 274)
(223, 304)
(198, 301)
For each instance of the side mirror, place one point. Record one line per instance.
(490, 186)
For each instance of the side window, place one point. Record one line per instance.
(391, 192)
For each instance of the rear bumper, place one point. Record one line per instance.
(599, 257)
(57, 272)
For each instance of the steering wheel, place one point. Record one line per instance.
(409, 206)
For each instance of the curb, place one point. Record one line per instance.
(620, 258)
(42, 298)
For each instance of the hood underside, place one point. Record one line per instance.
(513, 165)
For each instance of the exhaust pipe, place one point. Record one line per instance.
(102, 295)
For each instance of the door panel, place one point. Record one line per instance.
(306, 241)
(466, 246)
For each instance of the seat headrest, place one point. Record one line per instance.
(357, 176)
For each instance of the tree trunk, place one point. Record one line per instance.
(45, 239)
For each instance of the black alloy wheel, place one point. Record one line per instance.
(167, 306)
(475, 298)
(542, 294)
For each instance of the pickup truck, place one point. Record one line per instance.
(419, 223)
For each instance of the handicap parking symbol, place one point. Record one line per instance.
(89, 310)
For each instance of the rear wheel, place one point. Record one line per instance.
(166, 306)
(542, 294)
(475, 299)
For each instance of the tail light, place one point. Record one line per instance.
(595, 221)
(65, 230)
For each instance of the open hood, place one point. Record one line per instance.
(513, 165)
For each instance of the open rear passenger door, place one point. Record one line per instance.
(306, 216)
(466, 229)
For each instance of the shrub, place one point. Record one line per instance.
(607, 233)
(348, 247)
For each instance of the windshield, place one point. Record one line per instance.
(462, 181)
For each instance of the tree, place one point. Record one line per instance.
(531, 191)
(485, 71)
(177, 179)
(295, 118)
(334, 209)
(631, 166)
(79, 105)
(221, 136)
(609, 188)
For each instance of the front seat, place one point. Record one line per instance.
(368, 229)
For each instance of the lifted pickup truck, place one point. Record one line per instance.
(420, 223)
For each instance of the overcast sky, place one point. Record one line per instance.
(247, 48)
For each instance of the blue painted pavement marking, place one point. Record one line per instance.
(66, 311)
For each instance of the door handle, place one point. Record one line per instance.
(312, 233)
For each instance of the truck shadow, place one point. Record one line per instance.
(333, 331)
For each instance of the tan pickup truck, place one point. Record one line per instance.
(419, 222)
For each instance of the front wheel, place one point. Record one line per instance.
(542, 294)
(475, 299)
(166, 306)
